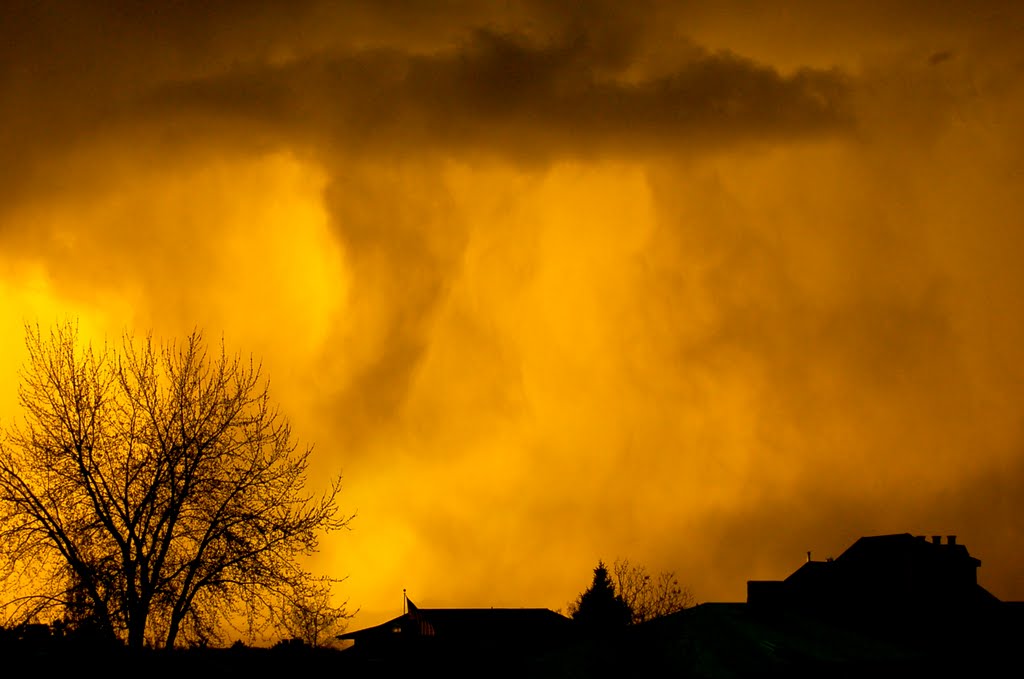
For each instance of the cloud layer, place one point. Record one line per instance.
(703, 289)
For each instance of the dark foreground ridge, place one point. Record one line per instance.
(890, 605)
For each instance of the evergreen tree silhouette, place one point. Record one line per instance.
(599, 607)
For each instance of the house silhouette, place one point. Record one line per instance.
(899, 573)
(889, 606)
(468, 630)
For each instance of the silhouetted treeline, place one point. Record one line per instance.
(709, 640)
(632, 596)
(49, 654)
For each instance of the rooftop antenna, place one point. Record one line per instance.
(405, 602)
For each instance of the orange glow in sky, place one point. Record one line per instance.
(701, 289)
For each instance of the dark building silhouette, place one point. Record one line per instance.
(889, 606)
(894, 573)
(469, 630)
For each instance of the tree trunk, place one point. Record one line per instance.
(136, 629)
(172, 630)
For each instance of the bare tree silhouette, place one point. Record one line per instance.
(154, 491)
(649, 597)
(310, 616)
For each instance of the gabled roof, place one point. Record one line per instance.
(811, 573)
(883, 571)
(467, 624)
(877, 547)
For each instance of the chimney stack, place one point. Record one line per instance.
(952, 539)
(808, 557)
(936, 539)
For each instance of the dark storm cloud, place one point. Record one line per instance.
(502, 94)
(530, 98)
(494, 94)
(90, 73)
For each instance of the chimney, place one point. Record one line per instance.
(808, 557)
(936, 539)
(952, 539)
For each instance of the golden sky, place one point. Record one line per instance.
(550, 282)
